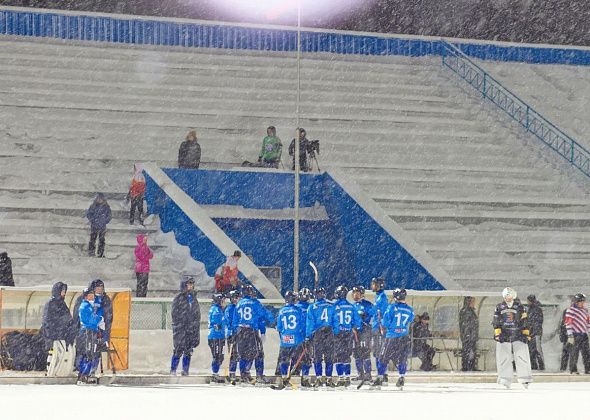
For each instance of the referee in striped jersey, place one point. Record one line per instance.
(577, 323)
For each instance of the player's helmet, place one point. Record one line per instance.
(358, 289)
(400, 294)
(377, 284)
(579, 297)
(509, 292)
(305, 294)
(319, 293)
(249, 290)
(290, 297)
(234, 295)
(218, 298)
(341, 292)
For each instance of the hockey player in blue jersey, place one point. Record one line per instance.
(291, 327)
(230, 331)
(304, 297)
(346, 323)
(362, 346)
(216, 337)
(319, 331)
(381, 303)
(396, 346)
(267, 320)
(91, 322)
(248, 318)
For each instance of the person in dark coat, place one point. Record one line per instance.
(104, 307)
(421, 348)
(304, 164)
(6, 278)
(186, 321)
(469, 332)
(99, 216)
(58, 323)
(535, 314)
(189, 154)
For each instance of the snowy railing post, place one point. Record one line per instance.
(512, 105)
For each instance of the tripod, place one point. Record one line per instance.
(313, 158)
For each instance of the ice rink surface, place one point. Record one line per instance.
(167, 402)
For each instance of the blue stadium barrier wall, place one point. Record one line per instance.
(168, 32)
(349, 248)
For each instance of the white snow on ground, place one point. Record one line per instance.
(417, 401)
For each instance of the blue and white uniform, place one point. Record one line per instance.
(321, 334)
(344, 320)
(396, 347)
(216, 337)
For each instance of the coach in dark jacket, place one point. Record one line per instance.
(6, 278)
(469, 331)
(420, 336)
(58, 323)
(99, 216)
(535, 314)
(189, 154)
(186, 320)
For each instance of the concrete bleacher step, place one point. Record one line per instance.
(490, 207)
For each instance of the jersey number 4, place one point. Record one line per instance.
(324, 316)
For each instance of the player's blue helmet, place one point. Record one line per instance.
(305, 294)
(290, 297)
(358, 289)
(400, 294)
(319, 293)
(377, 284)
(341, 292)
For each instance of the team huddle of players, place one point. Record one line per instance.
(323, 333)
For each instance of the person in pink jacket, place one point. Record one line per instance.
(143, 255)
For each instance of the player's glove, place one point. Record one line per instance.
(497, 333)
(570, 340)
(101, 324)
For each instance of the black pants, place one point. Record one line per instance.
(536, 353)
(216, 346)
(468, 356)
(94, 234)
(290, 355)
(377, 340)
(323, 345)
(580, 345)
(247, 343)
(136, 203)
(425, 353)
(343, 347)
(395, 350)
(565, 356)
(142, 284)
(362, 347)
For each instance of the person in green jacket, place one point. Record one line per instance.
(270, 154)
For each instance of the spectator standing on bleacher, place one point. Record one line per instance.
(536, 328)
(99, 216)
(143, 255)
(304, 164)
(420, 335)
(189, 154)
(469, 331)
(6, 278)
(136, 193)
(226, 276)
(270, 154)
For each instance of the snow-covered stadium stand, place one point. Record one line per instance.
(486, 200)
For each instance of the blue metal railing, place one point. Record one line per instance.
(520, 111)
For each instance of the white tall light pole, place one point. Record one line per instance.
(296, 157)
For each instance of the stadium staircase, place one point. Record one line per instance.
(481, 196)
